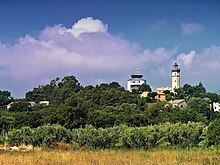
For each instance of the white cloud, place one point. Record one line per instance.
(187, 59)
(202, 67)
(159, 56)
(94, 57)
(88, 25)
(191, 28)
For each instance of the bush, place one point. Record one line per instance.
(214, 133)
(154, 136)
(47, 135)
(51, 134)
(21, 136)
(179, 134)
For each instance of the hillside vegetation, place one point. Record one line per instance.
(108, 116)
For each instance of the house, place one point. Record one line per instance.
(44, 103)
(216, 107)
(160, 96)
(31, 103)
(160, 93)
(181, 103)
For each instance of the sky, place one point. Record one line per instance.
(104, 41)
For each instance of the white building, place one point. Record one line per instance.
(175, 77)
(216, 107)
(135, 81)
(44, 103)
(31, 103)
(181, 103)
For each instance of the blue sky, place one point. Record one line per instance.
(39, 42)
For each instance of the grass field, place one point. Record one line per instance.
(110, 157)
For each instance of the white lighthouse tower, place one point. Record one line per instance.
(175, 77)
(135, 81)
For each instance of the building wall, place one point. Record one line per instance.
(175, 80)
(160, 97)
(161, 90)
(182, 105)
(134, 83)
(178, 103)
(216, 107)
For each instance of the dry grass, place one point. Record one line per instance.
(110, 157)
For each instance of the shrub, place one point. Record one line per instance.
(213, 133)
(20, 136)
(44, 135)
(154, 136)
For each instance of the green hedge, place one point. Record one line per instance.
(165, 135)
(44, 135)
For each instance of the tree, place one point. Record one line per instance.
(179, 93)
(114, 85)
(74, 112)
(153, 112)
(66, 87)
(144, 87)
(188, 89)
(200, 105)
(5, 98)
(212, 96)
(214, 133)
(151, 97)
(6, 123)
(56, 92)
(20, 106)
(199, 90)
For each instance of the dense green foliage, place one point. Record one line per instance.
(40, 136)
(20, 106)
(108, 105)
(165, 135)
(214, 133)
(5, 98)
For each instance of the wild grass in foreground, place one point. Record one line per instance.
(110, 157)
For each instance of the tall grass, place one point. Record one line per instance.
(110, 157)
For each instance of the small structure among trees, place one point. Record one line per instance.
(181, 103)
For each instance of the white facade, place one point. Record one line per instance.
(216, 107)
(45, 103)
(181, 103)
(175, 77)
(135, 81)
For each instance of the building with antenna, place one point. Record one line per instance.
(135, 81)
